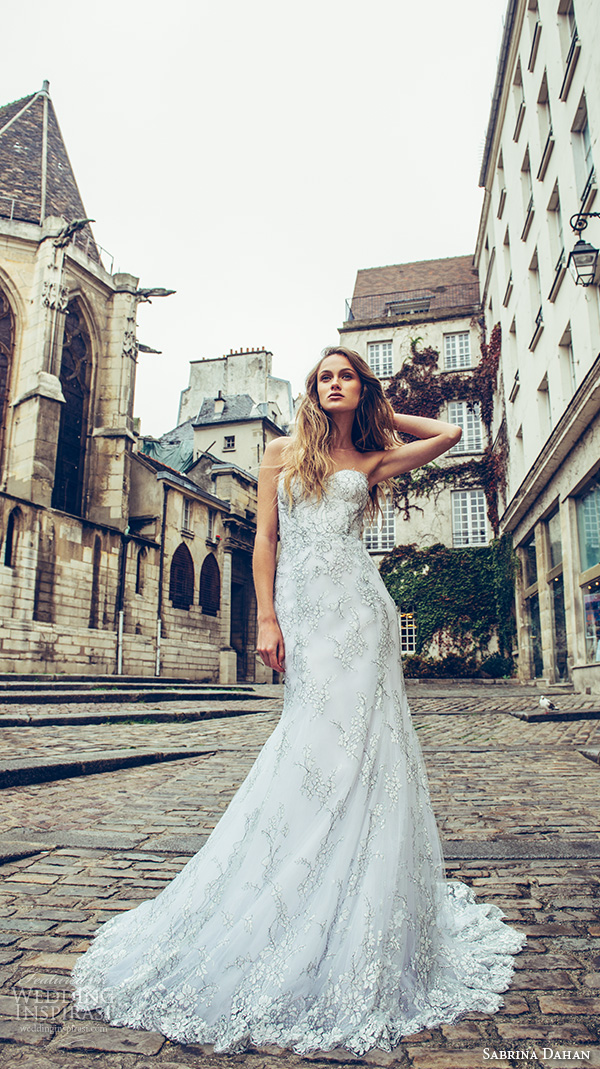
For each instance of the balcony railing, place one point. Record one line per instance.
(404, 303)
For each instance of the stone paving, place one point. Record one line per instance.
(122, 835)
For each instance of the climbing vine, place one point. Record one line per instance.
(463, 598)
(418, 389)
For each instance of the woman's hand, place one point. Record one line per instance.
(270, 644)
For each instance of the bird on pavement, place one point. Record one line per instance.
(546, 704)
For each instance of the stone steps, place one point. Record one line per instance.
(19, 771)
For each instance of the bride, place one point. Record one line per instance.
(316, 915)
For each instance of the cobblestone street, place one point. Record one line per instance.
(517, 803)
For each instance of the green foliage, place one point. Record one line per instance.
(419, 389)
(461, 599)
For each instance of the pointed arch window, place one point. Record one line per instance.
(75, 378)
(7, 333)
(210, 586)
(181, 585)
(13, 530)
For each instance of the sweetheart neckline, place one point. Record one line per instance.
(338, 470)
(357, 470)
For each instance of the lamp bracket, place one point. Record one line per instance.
(579, 221)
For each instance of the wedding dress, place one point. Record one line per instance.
(316, 915)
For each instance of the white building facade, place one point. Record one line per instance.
(539, 171)
(436, 302)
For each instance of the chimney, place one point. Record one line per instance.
(219, 403)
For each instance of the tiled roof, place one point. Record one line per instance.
(36, 177)
(423, 274)
(236, 406)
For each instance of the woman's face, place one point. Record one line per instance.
(339, 386)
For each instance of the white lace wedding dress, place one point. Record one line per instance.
(316, 914)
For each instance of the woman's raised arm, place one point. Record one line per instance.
(270, 640)
(436, 438)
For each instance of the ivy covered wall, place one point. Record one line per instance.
(463, 599)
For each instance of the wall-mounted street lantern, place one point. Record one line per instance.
(583, 259)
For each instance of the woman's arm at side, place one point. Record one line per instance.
(436, 438)
(270, 640)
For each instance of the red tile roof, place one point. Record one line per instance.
(420, 275)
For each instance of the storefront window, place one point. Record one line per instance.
(530, 562)
(560, 627)
(588, 525)
(555, 540)
(535, 635)
(591, 614)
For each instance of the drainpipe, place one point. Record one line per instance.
(161, 570)
(121, 599)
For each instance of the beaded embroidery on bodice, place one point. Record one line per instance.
(316, 915)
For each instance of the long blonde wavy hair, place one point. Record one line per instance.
(307, 455)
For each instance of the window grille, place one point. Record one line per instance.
(229, 442)
(379, 357)
(457, 350)
(408, 632)
(181, 585)
(210, 586)
(469, 419)
(468, 518)
(380, 536)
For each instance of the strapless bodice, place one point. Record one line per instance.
(337, 515)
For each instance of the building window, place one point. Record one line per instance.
(95, 601)
(13, 528)
(468, 518)
(554, 539)
(186, 516)
(181, 585)
(457, 350)
(6, 348)
(75, 378)
(408, 632)
(591, 617)
(379, 358)
(211, 525)
(530, 561)
(210, 586)
(535, 636)
(582, 149)
(380, 536)
(588, 524)
(139, 571)
(229, 441)
(469, 419)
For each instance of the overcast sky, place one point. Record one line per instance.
(254, 155)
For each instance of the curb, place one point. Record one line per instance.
(17, 773)
(42, 719)
(536, 716)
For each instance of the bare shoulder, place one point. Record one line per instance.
(275, 449)
(273, 456)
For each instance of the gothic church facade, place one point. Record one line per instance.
(90, 582)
